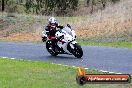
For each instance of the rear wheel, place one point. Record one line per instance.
(50, 48)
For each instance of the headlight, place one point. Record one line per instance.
(75, 36)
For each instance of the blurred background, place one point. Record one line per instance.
(93, 20)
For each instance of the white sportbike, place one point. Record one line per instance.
(66, 44)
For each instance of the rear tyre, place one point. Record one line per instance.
(49, 45)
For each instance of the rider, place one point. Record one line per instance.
(51, 29)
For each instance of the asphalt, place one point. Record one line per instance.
(102, 58)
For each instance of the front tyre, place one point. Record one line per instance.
(77, 51)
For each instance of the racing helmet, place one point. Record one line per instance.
(52, 20)
(52, 23)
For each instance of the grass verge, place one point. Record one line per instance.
(85, 43)
(32, 74)
(120, 44)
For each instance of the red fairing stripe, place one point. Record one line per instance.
(51, 37)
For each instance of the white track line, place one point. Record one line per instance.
(12, 58)
(68, 66)
(4, 57)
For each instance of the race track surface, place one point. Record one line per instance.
(102, 58)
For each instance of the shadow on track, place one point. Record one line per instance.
(61, 57)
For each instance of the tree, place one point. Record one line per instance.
(93, 2)
(103, 3)
(114, 1)
(60, 6)
(87, 2)
(29, 5)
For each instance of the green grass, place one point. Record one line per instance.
(32, 74)
(120, 44)
(87, 43)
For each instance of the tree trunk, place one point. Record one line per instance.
(103, 3)
(88, 1)
(3, 5)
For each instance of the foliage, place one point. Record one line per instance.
(52, 7)
(61, 7)
(98, 3)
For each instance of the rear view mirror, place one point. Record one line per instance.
(68, 25)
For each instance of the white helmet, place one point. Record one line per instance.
(52, 20)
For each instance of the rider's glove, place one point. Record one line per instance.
(44, 39)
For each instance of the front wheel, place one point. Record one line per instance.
(77, 51)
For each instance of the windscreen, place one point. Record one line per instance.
(68, 30)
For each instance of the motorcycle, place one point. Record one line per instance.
(66, 44)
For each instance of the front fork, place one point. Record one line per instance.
(72, 44)
(71, 47)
